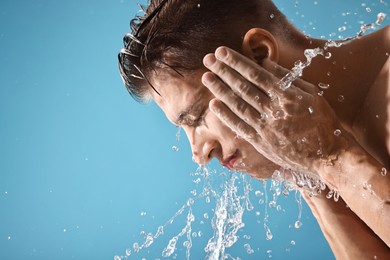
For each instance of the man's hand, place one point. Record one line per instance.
(295, 128)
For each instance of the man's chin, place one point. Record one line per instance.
(261, 172)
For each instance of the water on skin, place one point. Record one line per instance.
(230, 204)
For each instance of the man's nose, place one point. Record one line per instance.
(203, 152)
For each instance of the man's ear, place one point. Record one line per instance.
(259, 44)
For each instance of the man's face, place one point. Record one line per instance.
(185, 102)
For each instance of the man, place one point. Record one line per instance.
(237, 108)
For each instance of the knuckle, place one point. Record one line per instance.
(240, 128)
(242, 108)
(223, 70)
(242, 87)
(255, 75)
(232, 60)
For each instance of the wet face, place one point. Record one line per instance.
(185, 102)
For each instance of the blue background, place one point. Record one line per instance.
(84, 169)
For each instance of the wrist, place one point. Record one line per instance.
(335, 162)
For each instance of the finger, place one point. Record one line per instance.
(243, 88)
(233, 121)
(236, 104)
(248, 69)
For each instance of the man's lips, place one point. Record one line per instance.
(230, 161)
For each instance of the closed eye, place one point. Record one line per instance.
(201, 118)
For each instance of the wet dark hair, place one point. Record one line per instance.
(176, 34)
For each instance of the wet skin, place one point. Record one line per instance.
(185, 102)
(222, 131)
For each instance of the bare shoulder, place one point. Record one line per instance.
(372, 124)
(387, 35)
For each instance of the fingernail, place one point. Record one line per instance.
(209, 60)
(207, 78)
(221, 53)
(213, 105)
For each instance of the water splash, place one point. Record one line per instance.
(226, 221)
(298, 199)
(171, 247)
(298, 68)
(231, 192)
(310, 54)
(268, 232)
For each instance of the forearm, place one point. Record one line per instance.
(357, 177)
(348, 236)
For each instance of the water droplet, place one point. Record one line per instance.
(336, 196)
(128, 252)
(247, 237)
(9, 237)
(198, 5)
(380, 18)
(143, 213)
(377, 116)
(200, 233)
(206, 216)
(321, 93)
(248, 249)
(178, 133)
(175, 148)
(190, 202)
(197, 181)
(298, 224)
(368, 10)
(207, 199)
(117, 257)
(328, 55)
(384, 171)
(293, 242)
(279, 208)
(257, 213)
(342, 28)
(340, 98)
(263, 116)
(323, 85)
(258, 193)
(311, 110)
(278, 114)
(299, 97)
(268, 235)
(272, 16)
(257, 98)
(337, 132)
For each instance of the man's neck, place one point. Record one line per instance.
(349, 72)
